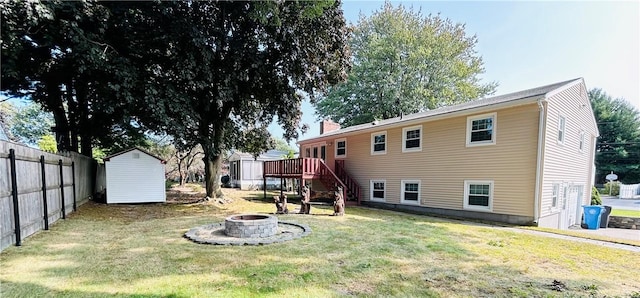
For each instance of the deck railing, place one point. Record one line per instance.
(352, 185)
(292, 167)
(314, 168)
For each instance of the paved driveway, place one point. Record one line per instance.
(616, 203)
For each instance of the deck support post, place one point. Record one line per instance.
(264, 181)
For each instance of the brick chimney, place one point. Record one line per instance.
(328, 125)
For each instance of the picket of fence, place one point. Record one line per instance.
(631, 191)
(39, 188)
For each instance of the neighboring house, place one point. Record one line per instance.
(135, 176)
(246, 171)
(525, 157)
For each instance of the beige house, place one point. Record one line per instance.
(523, 158)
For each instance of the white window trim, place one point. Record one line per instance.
(335, 142)
(467, 183)
(402, 183)
(404, 139)
(371, 182)
(564, 129)
(582, 141)
(494, 133)
(555, 187)
(386, 142)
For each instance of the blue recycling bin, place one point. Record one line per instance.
(592, 216)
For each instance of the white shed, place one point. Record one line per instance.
(246, 171)
(135, 176)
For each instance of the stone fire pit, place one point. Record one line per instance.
(251, 226)
(249, 229)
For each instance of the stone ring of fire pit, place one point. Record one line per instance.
(247, 229)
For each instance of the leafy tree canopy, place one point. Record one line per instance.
(618, 148)
(47, 143)
(405, 63)
(59, 54)
(217, 73)
(27, 124)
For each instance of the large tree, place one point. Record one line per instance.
(217, 73)
(59, 55)
(404, 62)
(618, 148)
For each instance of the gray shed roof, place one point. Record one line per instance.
(131, 149)
(269, 155)
(529, 94)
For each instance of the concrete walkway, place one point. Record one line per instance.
(613, 233)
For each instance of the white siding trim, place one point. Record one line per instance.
(494, 122)
(402, 184)
(371, 182)
(386, 142)
(404, 139)
(467, 183)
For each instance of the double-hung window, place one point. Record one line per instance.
(410, 192)
(412, 139)
(478, 195)
(341, 148)
(378, 190)
(481, 130)
(379, 143)
(561, 129)
(555, 195)
(581, 142)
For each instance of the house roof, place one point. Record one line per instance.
(269, 155)
(131, 149)
(525, 96)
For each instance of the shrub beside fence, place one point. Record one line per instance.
(38, 188)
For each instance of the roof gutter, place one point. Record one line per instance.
(539, 158)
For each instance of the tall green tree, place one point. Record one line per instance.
(404, 62)
(59, 54)
(217, 73)
(28, 123)
(618, 147)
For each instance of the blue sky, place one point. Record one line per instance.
(530, 44)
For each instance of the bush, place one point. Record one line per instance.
(613, 186)
(595, 196)
(168, 183)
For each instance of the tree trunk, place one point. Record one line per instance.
(211, 169)
(54, 104)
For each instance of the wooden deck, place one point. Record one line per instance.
(304, 168)
(314, 168)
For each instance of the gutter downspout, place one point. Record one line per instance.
(541, 133)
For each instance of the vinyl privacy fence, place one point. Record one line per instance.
(39, 188)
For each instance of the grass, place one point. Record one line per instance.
(626, 213)
(139, 251)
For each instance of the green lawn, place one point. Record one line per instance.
(627, 213)
(139, 251)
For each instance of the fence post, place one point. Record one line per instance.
(44, 193)
(64, 215)
(73, 177)
(14, 194)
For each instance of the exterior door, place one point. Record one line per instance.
(572, 205)
(319, 151)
